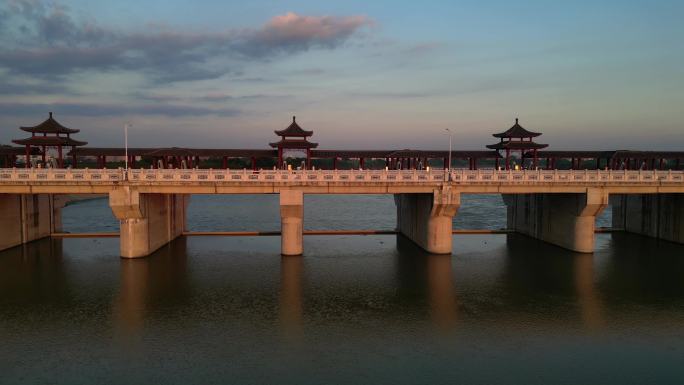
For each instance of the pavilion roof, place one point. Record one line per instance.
(295, 144)
(621, 154)
(294, 130)
(173, 151)
(516, 145)
(50, 126)
(613, 154)
(517, 131)
(49, 141)
(407, 153)
(11, 150)
(484, 154)
(573, 154)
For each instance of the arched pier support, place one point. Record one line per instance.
(565, 220)
(147, 221)
(653, 215)
(426, 219)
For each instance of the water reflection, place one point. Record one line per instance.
(159, 280)
(590, 303)
(291, 309)
(424, 277)
(645, 270)
(205, 309)
(441, 294)
(543, 277)
(34, 274)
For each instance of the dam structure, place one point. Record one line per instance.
(556, 206)
(554, 196)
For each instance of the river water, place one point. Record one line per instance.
(503, 309)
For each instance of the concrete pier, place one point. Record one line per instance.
(291, 222)
(654, 215)
(27, 217)
(147, 221)
(426, 219)
(565, 220)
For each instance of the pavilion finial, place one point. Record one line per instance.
(51, 114)
(516, 120)
(294, 118)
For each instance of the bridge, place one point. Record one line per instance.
(556, 206)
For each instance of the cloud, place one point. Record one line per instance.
(101, 110)
(209, 98)
(17, 88)
(43, 40)
(390, 95)
(291, 33)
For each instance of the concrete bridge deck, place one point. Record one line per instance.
(206, 181)
(557, 206)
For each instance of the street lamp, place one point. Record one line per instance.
(448, 168)
(126, 145)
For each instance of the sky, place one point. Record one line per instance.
(384, 74)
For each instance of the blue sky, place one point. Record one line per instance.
(361, 74)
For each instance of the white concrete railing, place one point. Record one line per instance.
(401, 176)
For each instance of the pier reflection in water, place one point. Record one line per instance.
(360, 309)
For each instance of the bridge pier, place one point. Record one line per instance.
(27, 217)
(291, 222)
(565, 220)
(653, 215)
(426, 219)
(147, 221)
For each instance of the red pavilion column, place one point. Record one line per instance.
(280, 157)
(254, 164)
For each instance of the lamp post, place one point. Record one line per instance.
(448, 168)
(126, 147)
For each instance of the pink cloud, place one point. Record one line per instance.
(295, 30)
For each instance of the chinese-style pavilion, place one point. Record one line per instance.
(49, 134)
(518, 139)
(294, 138)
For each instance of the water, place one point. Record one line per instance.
(321, 212)
(502, 309)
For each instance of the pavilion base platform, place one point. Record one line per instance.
(147, 221)
(565, 220)
(426, 219)
(291, 222)
(28, 217)
(654, 215)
